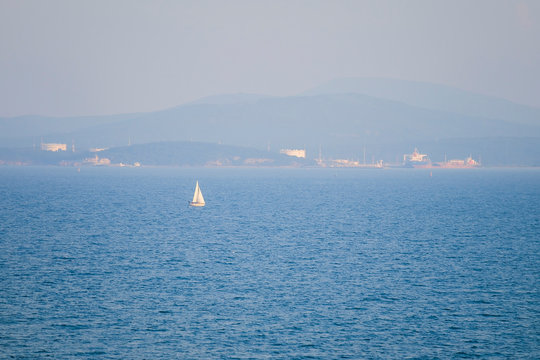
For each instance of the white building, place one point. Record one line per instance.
(294, 152)
(53, 147)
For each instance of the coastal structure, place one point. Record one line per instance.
(97, 149)
(350, 164)
(53, 147)
(294, 152)
(97, 161)
(469, 162)
(416, 159)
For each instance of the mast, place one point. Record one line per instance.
(364, 154)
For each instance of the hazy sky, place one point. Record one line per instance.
(103, 57)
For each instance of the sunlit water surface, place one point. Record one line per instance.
(287, 263)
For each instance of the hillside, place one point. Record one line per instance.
(337, 117)
(294, 121)
(197, 154)
(433, 96)
(155, 154)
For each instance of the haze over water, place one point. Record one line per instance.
(102, 258)
(280, 263)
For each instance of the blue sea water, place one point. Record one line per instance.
(111, 263)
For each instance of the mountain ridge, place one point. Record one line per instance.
(341, 123)
(432, 96)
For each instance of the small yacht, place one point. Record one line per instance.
(198, 199)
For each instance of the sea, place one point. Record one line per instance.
(112, 263)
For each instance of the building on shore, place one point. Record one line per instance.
(345, 163)
(294, 152)
(53, 147)
(97, 161)
(416, 159)
(97, 149)
(469, 162)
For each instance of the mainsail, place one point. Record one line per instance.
(198, 199)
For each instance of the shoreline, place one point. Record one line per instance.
(23, 165)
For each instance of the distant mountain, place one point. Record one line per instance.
(22, 131)
(337, 119)
(229, 99)
(433, 96)
(34, 125)
(340, 123)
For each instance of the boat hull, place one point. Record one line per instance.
(191, 203)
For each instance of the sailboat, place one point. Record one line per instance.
(198, 199)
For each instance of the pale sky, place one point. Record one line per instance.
(62, 58)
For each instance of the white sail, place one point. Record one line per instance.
(198, 199)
